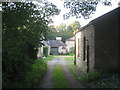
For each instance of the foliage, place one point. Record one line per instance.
(58, 77)
(24, 26)
(31, 78)
(65, 31)
(72, 50)
(45, 51)
(82, 8)
(38, 69)
(106, 81)
(95, 79)
(61, 27)
(90, 76)
(52, 33)
(74, 26)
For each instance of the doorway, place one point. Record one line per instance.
(87, 58)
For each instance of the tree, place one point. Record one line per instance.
(52, 33)
(67, 32)
(82, 8)
(74, 26)
(24, 24)
(61, 27)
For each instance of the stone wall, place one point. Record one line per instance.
(82, 59)
(62, 50)
(106, 41)
(99, 43)
(69, 44)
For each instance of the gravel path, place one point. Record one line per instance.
(47, 81)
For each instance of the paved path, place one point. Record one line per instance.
(47, 81)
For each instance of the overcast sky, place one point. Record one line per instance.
(101, 9)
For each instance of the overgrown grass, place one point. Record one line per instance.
(90, 76)
(95, 79)
(83, 77)
(106, 81)
(58, 77)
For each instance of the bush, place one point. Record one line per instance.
(45, 51)
(31, 78)
(38, 69)
(72, 50)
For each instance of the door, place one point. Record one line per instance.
(87, 58)
(54, 51)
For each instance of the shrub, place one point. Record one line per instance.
(38, 69)
(72, 50)
(45, 51)
(31, 78)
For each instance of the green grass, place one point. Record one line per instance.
(90, 76)
(69, 59)
(77, 73)
(71, 54)
(49, 58)
(59, 78)
(84, 77)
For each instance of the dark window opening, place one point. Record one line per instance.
(84, 48)
(63, 47)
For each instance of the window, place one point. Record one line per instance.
(84, 48)
(63, 47)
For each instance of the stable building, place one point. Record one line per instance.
(96, 44)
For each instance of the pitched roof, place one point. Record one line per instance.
(54, 43)
(110, 15)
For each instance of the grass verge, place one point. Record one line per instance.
(49, 58)
(58, 77)
(69, 59)
(96, 78)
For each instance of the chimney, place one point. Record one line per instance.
(59, 38)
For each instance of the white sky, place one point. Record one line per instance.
(101, 9)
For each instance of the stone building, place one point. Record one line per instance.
(96, 44)
(70, 43)
(56, 47)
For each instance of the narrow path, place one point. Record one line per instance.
(47, 81)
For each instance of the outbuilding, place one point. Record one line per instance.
(96, 44)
